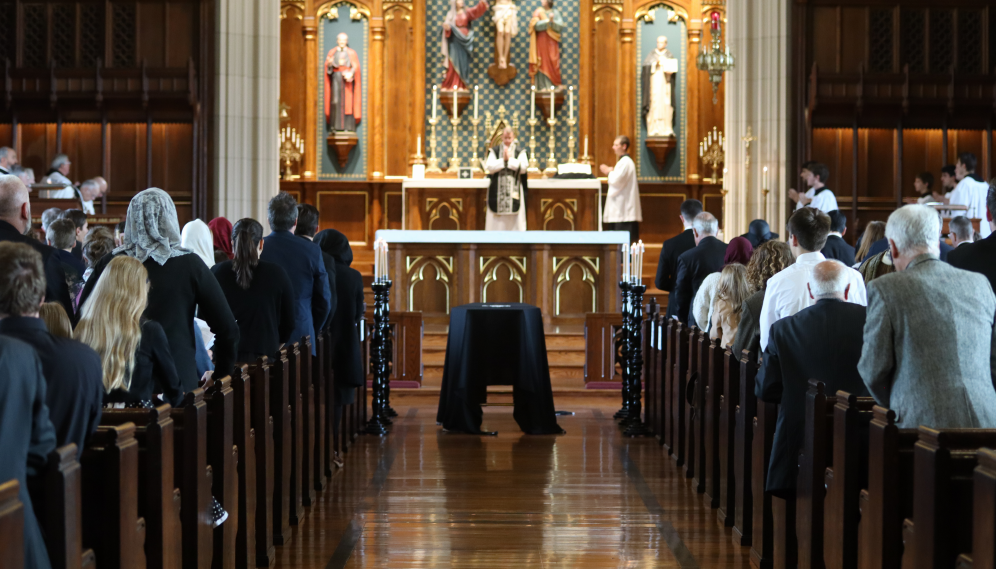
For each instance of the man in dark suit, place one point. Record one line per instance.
(821, 342)
(307, 227)
(302, 260)
(667, 266)
(72, 370)
(15, 220)
(980, 256)
(26, 435)
(696, 264)
(836, 247)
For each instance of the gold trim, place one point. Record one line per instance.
(648, 13)
(331, 10)
(386, 216)
(492, 275)
(287, 7)
(565, 275)
(568, 213)
(441, 275)
(410, 263)
(366, 210)
(448, 261)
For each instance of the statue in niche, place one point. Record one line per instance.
(457, 43)
(506, 25)
(658, 81)
(544, 46)
(343, 106)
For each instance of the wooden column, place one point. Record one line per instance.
(693, 120)
(418, 73)
(586, 92)
(375, 93)
(627, 73)
(310, 31)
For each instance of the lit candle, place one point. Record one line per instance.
(764, 179)
(455, 111)
(586, 145)
(475, 101)
(701, 146)
(435, 89)
(570, 98)
(532, 102)
(552, 110)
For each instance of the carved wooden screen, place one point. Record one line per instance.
(880, 44)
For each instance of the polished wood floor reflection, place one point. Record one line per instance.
(423, 498)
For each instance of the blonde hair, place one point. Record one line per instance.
(733, 289)
(56, 319)
(111, 322)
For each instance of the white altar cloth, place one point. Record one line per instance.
(501, 237)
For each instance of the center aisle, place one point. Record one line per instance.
(590, 498)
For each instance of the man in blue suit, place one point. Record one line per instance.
(302, 260)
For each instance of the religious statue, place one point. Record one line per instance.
(507, 190)
(457, 42)
(544, 46)
(343, 106)
(658, 78)
(506, 25)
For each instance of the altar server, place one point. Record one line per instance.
(622, 202)
(507, 192)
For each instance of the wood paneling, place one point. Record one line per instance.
(6, 135)
(606, 63)
(346, 211)
(854, 49)
(81, 142)
(151, 33)
(181, 29)
(400, 90)
(292, 66)
(825, 37)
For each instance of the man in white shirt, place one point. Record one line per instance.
(8, 159)
(507, 193)
(88, 191)
(970, 192)
(818, 196)
(786, 292)
(622, 202)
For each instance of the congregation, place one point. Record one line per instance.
(142, 316)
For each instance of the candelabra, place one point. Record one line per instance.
(291, 149)
(433, 159)
(713, 59)
(455, 159)
(379, 359)
(623, 346)
(533, 162)
(633, 422)
(475, 160)
(712, 151)
(551, 161)
(570, 139)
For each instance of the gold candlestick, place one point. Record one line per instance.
(433, 159)
(571, 140)
(713, 157)
(747, 140)
(455, 159)
(475, 160)
(551, 160)
(764, 192)
(533, 162)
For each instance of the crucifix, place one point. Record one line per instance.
(747, 140)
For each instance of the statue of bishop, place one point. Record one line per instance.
(343, 102)
(658, 82)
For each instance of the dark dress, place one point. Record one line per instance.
(264, 312)
(26, 435)
(346, 362)
(180, 287)
(329, 263)
(154, 371)
(56, 289)
(72, 374)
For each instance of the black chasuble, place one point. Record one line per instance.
(508, 188)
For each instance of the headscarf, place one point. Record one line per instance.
(738, 251)
(197, 237)
(335, 244)
(221, 230)
(153, 230)
(759, 232)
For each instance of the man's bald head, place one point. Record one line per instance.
(14, 206)
(829, 279)
(103, 184)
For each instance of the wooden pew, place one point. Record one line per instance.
(941, 526)
(295, 508)
(762, 551)
(281, 410)
(729, 400)
(713, 384)
(660, 371)
(320, 381)
(263, 431)
(223, 458)
(743, 448)
(111, 524)
(159, 498)
(307, 420)
(845, 479)
(676, 393)
(983, 554)
(671, 357)
(889, 496)
(816, 456)
(11, 526)
(651, 355)
(244, 439)
(331, 445)
(194, 478)
(699, 368)
(57, 503)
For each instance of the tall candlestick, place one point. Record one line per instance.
(552, 110)
(764, 178)
(435, 89)
(475, 100)
(625, 263)
(532, 102)
(455, 112)
(570, 98)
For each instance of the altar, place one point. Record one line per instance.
(567, 274)
(551, 204)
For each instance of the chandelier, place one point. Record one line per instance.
(715, 60)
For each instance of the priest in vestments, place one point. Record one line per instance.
(458, 42)
(343, 104)
(507, 191)
(544, 46)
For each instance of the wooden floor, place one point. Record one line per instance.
(423, 498)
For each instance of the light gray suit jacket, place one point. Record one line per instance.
(930, 347)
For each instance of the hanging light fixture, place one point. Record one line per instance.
(715, 60)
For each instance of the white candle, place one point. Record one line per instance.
(376, 262)
(532, 102)
(475, 101)
(455, 111)
(764, 180)
(570, 98)
(552, 110)
(418, 144)
(435, 89)
(586, 145)
(625, 263)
